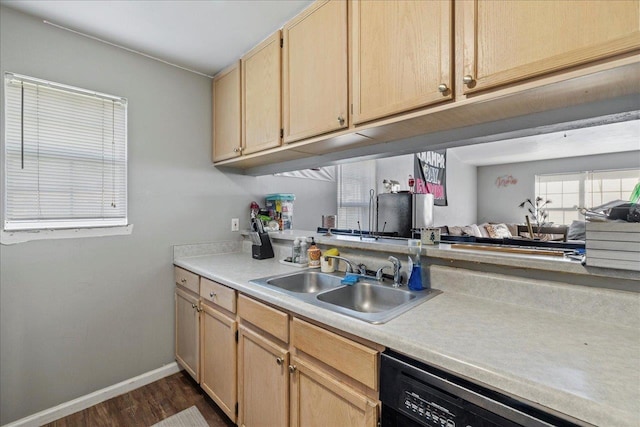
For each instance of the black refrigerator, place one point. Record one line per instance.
(403, 212)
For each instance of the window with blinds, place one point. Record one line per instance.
(569, 191)
(355, 180)
(65, 156)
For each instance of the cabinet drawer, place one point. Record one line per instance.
(187, 279)
(218, 294)
(270, 320)
(349, 357)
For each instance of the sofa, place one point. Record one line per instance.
(499, 233)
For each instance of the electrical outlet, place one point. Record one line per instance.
(235, 224)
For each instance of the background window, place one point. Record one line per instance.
(583, 189)
(355, 181)
(65, 156)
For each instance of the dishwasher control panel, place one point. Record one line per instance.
(414, 394)
(427, 411)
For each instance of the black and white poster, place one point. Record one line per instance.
(430, 171)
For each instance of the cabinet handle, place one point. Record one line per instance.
(443, 88)
(199, 310)
(341, 120)
(183, 280)
(292, 368)
(279, 361)
(212, 294)
(468, 79)
(193, 305)
(237, 150)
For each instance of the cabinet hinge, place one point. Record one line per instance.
(281, 133)
(236, 336)
(237, 410)
(352, 109)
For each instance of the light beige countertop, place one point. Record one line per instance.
(571, 349)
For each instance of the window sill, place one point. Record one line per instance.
(13, 237)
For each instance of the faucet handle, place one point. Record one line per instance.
(380, 272)
(397, 279)
(362, 268)
(395, 261)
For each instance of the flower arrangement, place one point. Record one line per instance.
(539, 214)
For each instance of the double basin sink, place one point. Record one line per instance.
(368, 300)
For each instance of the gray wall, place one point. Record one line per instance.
(461, 185)
(500, 204)
(396, 168)
(78, 315)
(461, 197)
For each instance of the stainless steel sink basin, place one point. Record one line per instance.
(367, 297)
(368, 300)
(306, 282)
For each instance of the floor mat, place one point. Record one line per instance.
(190, 417)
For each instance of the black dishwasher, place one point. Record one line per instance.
(414, 394)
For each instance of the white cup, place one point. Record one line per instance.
(327, 265)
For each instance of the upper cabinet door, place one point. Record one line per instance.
(261, 96)
(508, 41)
(401, 56)
(315, 71)
(227, 123)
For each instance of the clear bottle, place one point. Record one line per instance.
(295, 253)
(303, 251)
(415, 278)
(280, 222)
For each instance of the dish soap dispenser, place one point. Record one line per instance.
(415, 278)
(314, 254)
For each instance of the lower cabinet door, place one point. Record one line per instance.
(187, 336)
(319, 400)
(218, 358)
(263, 381)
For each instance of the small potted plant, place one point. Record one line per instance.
(538, 213)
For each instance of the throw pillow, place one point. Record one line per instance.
(498, 231)
(483, 229)
(471, 230)
(476, 230)
(455, 230)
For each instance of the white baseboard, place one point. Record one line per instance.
(86, 401)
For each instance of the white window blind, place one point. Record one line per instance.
(355, 180)
(65, 156)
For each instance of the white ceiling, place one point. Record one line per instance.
(201, 35)
(609, 138)
(207, 35)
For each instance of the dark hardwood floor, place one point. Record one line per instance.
(148, 405)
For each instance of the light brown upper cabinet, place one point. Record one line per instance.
(227, 124)
(508, 41)
(261, 96)
(314, 71)
(401, 56)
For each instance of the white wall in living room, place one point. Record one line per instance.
(499, 203)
